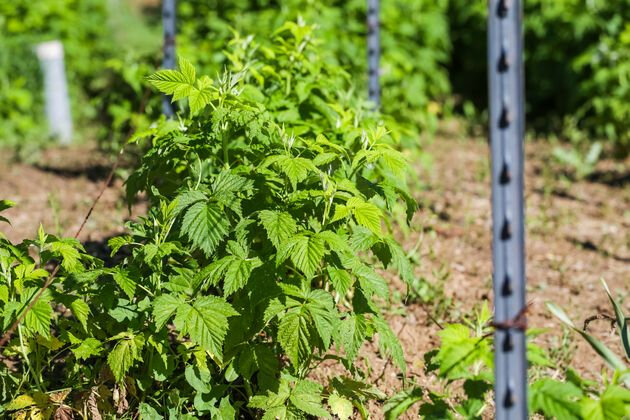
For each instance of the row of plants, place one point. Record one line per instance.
(272, 202)
(255, 263)
(577, 60)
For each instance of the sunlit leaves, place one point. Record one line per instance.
(295, 336)
(125, 352)
(205, 321)
(205, 225)
(279, 225)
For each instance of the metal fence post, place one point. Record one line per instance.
(50, 55)
(168, 23)
(373, 51)
(506, 97)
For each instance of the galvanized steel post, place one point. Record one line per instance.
(373, 51)
(506, 97)
(168, 23)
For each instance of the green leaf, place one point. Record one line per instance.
(295, 168)
(459, 351)
(307, 396)
(88, 348)
(69, 253)
(613, 404)
(278, 225)
(555, 399)
(122, 277)
(178, 83)
(163, 309)
(388, 343)
(294, 335)
(367, 215)
(201, 95)
(81, 311)
(306, 253)
(340, 279)
(237, 274)
(187, 198)
(124, 354)
(340, 406)
(149, 413)
(352, 333)
(205, 322)
(199, 380)
(118, 242)
(322, 309)
(205, 225)
(400, 402)
(39, 317)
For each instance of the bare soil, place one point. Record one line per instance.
(577, 233)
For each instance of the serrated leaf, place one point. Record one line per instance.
(307, 396)
(401, 402)
(322, 309)
(164, 307)
(294, 335)
(613, 404)
(178, 83)
(205, 225)
(67, 250)
(278, 225)
(340, 406)
(201, 95)
(388, 343)
(88, 348)
(352, 333)
(459, 351)
(118, 242)
(186, 199)
(306, 253)
(81, 311)
(369, 216)
(206, 322)
(555, 399)
(124, 354)
(39, 317)
(295, 168)
(340, 279)
(237, 274)
(122, 277)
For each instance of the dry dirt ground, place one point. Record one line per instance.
(577, 233)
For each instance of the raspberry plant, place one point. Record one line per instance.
(271, 199)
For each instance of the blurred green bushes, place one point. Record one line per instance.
(100, 38)
(577, 59)
(414, 40)
(434, 55)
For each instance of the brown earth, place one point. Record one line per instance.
(577, 233)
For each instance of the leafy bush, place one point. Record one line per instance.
(255, 263)
(464, 362)
(577, 61)
(415, 46)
